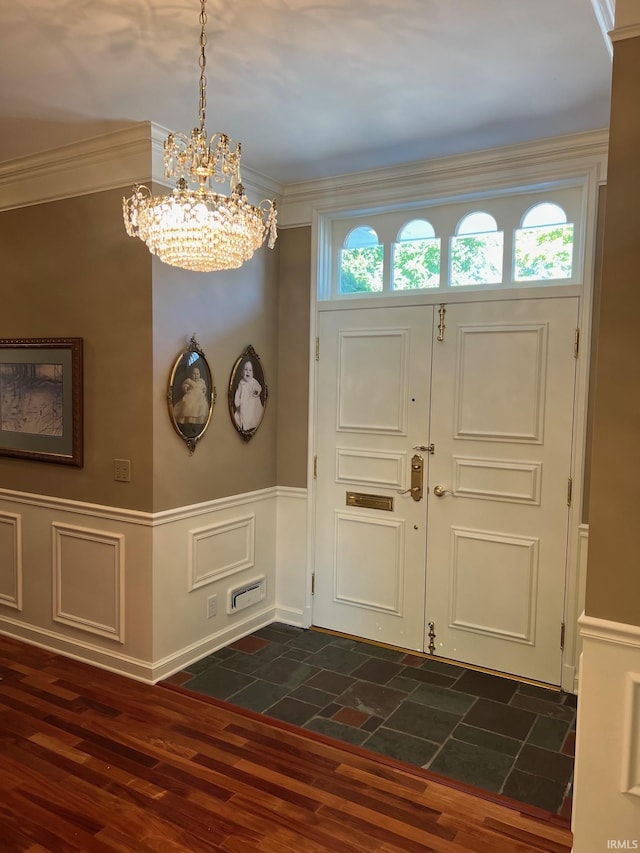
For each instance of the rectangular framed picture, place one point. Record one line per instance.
(41, 399)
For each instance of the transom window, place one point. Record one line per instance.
(416, 257)
(509, 241)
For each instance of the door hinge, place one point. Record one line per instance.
(315, 467)
(569, 490)
(313, 584)
(562, 627)
(576, 343)
(317, 349)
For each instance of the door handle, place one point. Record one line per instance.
(417, 476)
(440, 491)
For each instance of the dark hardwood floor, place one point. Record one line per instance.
(91, 761)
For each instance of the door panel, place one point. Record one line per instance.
(501, 420)
(373, 405)
(486, 550)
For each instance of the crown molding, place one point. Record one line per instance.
(113, 160)
(134, 155)
(490, 170)
(93, 165)
(631, 31)
(605, 12)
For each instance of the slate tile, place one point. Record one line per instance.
(259, 696)
(337, 660)
(401, 746)
(488, 686)
(427, 676)
(336, 730)
(534, 790)
(439, 697)
(286, 672)
(375, 700)
(548, 733)
(319, 698)
(310, 641)
(541, 706)
(500, 718)
(292, 711)
(378, 671)
(330, 682)
(422, 721)
(249, 644)
(545, 763)
(472, 764)
(219, 683)
(488, 740)
(448, 669)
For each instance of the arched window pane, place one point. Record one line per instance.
(476, 251)
(476, 223)
(543, 253)
(361, 262)
(416, 257)
(361, 237)
(544, 214)
(417, 229)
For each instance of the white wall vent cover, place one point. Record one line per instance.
(246, 595)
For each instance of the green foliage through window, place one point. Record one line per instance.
(416, 264)
(476, 260)
(544, 253)
(361, 270)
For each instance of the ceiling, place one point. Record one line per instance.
(311, 88)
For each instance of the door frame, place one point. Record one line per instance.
(591, 173)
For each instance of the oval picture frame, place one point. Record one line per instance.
(248, 393)
(191, 395)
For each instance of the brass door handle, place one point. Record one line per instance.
(417, 471)
(440, 491)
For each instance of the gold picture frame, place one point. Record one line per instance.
(191, 395)
(248, 393)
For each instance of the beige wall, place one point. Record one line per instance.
(69, 270)
(293, 355)
(613, 579)
(227, 311)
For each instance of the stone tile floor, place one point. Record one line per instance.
(484, 730)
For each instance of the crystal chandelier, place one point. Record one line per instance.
(197, 228)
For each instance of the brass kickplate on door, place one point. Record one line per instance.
(384, 502)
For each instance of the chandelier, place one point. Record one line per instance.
(197, 228)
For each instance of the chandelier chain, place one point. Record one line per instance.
(202, 62)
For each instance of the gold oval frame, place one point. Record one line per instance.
(247, 426)
(190, 415)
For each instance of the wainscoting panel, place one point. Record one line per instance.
(11, 560)
(607, 771)
(115, 588)
(221, 550)
(88, 580)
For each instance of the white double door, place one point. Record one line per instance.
(474, 571)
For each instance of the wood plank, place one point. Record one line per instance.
(91, 762)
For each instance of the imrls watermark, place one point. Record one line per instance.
(623, 844)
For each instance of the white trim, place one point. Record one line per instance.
(448, 177)
(631, 738)
(605, 631)
(607, 764)
(605, 13)
(621, 33)
(113, 160)
(130, 516)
